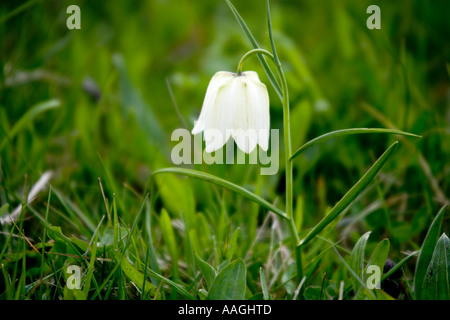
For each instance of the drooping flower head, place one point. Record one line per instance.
(237, 106)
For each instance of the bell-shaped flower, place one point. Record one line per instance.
(237, 106)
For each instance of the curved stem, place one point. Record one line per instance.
(250, 53)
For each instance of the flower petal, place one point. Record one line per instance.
(217, 81)
(260, 109)
(236, 106)
(241, 115)
(252, 123)
(218, 119)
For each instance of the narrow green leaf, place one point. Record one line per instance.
(357, 258)
(437, 279)
(377, 259)
(299, 213)
(22, 7)
(116, 226)
(269, 27)
(28, 117)
(137, 277)
(343, 132)
(151, 248)
(230, 283)
(7, 283)
(358, 278)
(64, 243)
(90, 271)
(4, 208)
(226, 184)
(380, 254)
(76, 214)
(169, 237)
(207, 270)
(350, 195)
(263, 284)
(174, 285)
(20, 289)
(399, 265)
(231, 248)
(426, 252)
(255, 45)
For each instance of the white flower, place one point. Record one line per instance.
(237, 106)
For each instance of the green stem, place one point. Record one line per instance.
(289, 174)
(250, 53)
(288, 151)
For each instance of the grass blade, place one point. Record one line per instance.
(232, 245)
(399, 265)
(344, 132)
(263, 284)
(226, 184)
(207, 270)
(17, 10)
(351, 194)
(437, 281)
(426, 252)
(28, 117)
(76, 214)
(151, 248)
(269, 27)
(91, 268)
(179, 288)
(351, 270)
(357, 258)
(168, 235)
(138, 278)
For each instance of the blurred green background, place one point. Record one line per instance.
(120, 79)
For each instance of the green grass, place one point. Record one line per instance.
(96, 107)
